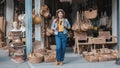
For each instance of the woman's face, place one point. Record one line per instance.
(60, 14)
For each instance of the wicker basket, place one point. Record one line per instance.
(37, 19)
(50, 31)
(53, 47)
(51, 52)
(50, 58)
(44, 11)
(34, 58)
(91, 58)
(90, 14)
(18, 59)
(41, 51)
(86, 25)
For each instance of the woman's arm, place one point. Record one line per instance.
(67, 24)
(53, 26)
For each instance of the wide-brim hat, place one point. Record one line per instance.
(60, 10)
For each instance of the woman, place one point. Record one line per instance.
(59, 26)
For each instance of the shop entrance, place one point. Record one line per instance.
(103, 20)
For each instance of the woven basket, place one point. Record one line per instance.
(53, 52)
(34, 58)
(50, 58)
(41, 51)
(90, 14)
(76, 27)
(86, 25)
(37, 19)
(91, 58)
(53, 47)
(44, 11)
(50, 31)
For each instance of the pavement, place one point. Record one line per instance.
(5, 61)
(76, 61)
(71, 60)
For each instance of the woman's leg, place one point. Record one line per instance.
(58, 47)
(64, 41)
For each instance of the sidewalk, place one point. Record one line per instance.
(71, 61)
(5, 61)
(76, 61)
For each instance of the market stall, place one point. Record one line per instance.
(91, 33)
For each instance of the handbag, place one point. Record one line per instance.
(90, 13)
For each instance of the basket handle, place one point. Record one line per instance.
(90, 9)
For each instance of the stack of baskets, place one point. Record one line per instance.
(101, 55)
(40, 54)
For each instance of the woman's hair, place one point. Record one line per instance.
(60, 10)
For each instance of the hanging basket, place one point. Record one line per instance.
(86, 25)
(90, 14)
(76, 25)
(44, 11)
(50, 31)
(37, 19)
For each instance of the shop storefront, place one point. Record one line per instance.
(106, 19)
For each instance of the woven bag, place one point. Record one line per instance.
(90, 14)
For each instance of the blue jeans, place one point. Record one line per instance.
(61, 40)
